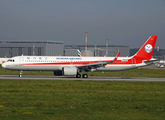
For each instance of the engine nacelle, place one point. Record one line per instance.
(69, 71)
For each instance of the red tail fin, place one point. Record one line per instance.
(146, 51)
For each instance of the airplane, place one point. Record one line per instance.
(71, 65)
(161, 63)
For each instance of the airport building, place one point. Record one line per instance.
(12, 48)
(55, 48)
(99, 50)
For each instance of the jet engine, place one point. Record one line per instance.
(72, 71)
(69, 71)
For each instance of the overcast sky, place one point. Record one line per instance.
(123, 22)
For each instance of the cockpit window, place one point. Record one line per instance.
(10, 60)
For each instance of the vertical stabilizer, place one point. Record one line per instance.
(146, 51)
(79, 53)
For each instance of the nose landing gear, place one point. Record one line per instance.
(21, 74)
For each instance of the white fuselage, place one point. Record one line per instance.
(52, 63)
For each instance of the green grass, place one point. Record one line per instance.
(143, 72)
(32, 99)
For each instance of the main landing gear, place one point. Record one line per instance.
(78, 76)
(83, 76)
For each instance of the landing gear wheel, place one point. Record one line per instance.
(78, 76)
(20, 75)
(85, 76)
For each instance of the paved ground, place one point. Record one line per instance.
(94, 78)
(153, 67)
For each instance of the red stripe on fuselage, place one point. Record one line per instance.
(120, 62)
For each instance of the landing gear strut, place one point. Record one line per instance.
(21, 74)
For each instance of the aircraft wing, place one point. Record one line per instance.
(88, 67)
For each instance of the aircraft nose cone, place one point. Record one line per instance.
(3, 65)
